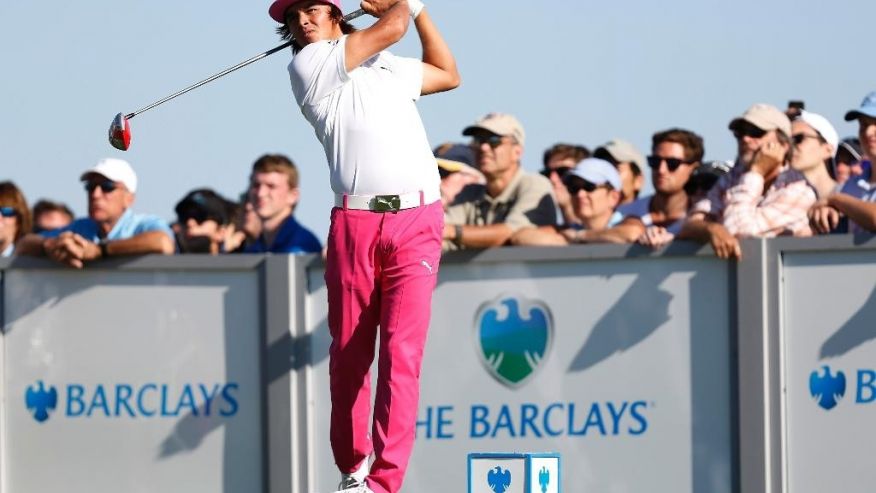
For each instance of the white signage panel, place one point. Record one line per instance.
(828, 313)
(620, 366)
(131, 381)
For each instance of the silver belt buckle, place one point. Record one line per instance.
(386, 203)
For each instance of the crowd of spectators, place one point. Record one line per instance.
(792, 175)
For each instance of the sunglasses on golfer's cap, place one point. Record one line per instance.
(106, 186)
(672, 163)
(561, 171)
(7, 211)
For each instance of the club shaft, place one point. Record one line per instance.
(346, 18)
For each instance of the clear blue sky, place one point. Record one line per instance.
(573, 71)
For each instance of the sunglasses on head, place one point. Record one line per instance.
(7, 211)
(575, 186)
(107, 186)
(561, 171)
(748, 130)
(672, 163)
(799, 138)
(493, 140)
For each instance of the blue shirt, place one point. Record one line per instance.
(292, 238)
(129, 225)
(859, 187)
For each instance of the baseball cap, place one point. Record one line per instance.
(822, 126)
(765, 117)
(115, 170)
(620, 151)
(852, 146)
(454, 157)
(499, 124)
(867, 108)
(597, 171)
(204, 203)
(277, 10)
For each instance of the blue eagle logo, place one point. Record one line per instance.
(827, 389)
(499, 479)
(514, 334)
(544, 479)
(40, 400)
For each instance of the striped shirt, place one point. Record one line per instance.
(738, 201)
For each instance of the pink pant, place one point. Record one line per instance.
(381, 270)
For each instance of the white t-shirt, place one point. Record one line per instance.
(366, 119)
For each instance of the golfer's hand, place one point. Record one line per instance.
(823, 218)
(656, 237)
(377, 8)
(726, 245)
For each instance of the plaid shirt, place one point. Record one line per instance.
(739, 202)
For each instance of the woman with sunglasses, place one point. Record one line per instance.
(815, 142)
(15, 220)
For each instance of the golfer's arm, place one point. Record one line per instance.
(439, 65)
(388, 30)
(862, 213)
(148, 242)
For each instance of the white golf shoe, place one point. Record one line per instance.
(351, 481)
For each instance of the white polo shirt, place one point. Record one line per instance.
(366, 119)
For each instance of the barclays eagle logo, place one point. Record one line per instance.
(544, 479)
(40, 400)
(499, 479)
(514, 335)
(827, 389)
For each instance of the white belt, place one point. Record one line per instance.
(379, 203)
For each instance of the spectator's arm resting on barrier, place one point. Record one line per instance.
(861, 212)
(490, 235)
(699, 228)
(655, 237)
(823, 218)
(143, 243)
(628, 231)
(538, 236)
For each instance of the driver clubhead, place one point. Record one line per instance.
(120, 133)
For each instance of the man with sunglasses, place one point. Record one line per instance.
(629, 162)
(510, 202)
(655, 220)
(558, 160)
(384, 243)
(761, 196)
(111, 227)
(857, 199)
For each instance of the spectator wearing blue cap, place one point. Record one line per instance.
(857, 199)
(594, 186)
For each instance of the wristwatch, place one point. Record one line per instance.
(102, 244)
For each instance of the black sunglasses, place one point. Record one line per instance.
(748, 130)
(799, 138)
(575, 186)
(7, 211)
(561, 171)
(493, 140)
(672, 163)
(107, 186)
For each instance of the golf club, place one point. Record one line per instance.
(120, 128)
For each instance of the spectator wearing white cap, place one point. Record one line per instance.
(511, 201)
(761, 196)
(815, 144)
(857, 199)
(629, 163)
(594, 187)
(111, 227)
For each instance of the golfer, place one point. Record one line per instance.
(384, 241)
